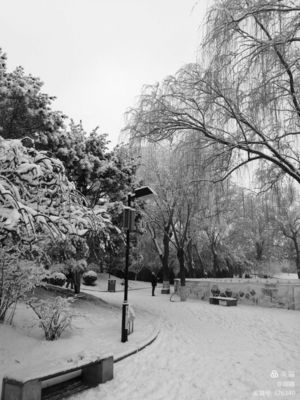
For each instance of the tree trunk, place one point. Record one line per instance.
(201, 264)
(297, 259)
(77, 281)
(259, 247)
(182, 288)
(215, 260)
(164, 257)
(165, 263)
(190, 259)
(180, 256)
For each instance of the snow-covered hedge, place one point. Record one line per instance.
(57, 278)
(89, 277)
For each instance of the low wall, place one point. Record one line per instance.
(262, 292)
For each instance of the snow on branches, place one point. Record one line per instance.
(37, 200)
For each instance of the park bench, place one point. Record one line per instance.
(58, 382)
(230, 301)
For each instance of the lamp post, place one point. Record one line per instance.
(143, 191)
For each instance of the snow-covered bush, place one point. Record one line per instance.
(54, 316)
(89, 277)
(81, 265)
(215, 290)
(38, 202)
(94, 267)
(58, 267)
(57, 278)
(17, 278)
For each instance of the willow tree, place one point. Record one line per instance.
(287, 218)
(156, 169)
(173, 217)
(244, 97)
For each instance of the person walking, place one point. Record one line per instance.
(70, 278)
(77, 279)
(153, 282)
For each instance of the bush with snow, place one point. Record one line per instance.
(89, 277)
(17, 278)
(54, 316)
(38, 202)
(57, 278)
(215, 290)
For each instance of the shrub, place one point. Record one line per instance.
(94, 267)
(57, 278)
(59, 267)
(81, 265)
(17, 278)
(215, 290)
(89, 277)
(54, 316)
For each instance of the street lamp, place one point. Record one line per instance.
(144, 191)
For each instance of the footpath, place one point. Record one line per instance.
(146, 324)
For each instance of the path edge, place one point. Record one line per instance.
(141, 347)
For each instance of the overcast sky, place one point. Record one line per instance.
(95, 55)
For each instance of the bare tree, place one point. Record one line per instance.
(288, 219)
(171, 173)
(244, 98)
(156, 169)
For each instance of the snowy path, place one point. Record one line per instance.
(208, 352)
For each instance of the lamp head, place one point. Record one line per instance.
(143, 191)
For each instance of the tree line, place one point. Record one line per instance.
(237, 106)
(61, 188)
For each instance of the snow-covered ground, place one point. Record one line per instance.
(207, 352)
(286, 276)
(96, 329)
(203, 351)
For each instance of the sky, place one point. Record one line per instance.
(96, 55)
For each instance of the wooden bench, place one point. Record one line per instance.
(230, 301)
(59, 381)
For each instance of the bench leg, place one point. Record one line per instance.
(12, 390)
(231, 303)
(99, 373)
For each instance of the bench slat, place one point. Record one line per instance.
(230, 301)
(222, 298)
(65, 389)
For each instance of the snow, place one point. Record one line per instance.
(96, 329)
(206, 352)
(202, 352)
(286, 276)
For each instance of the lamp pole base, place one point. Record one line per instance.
(124, 334)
